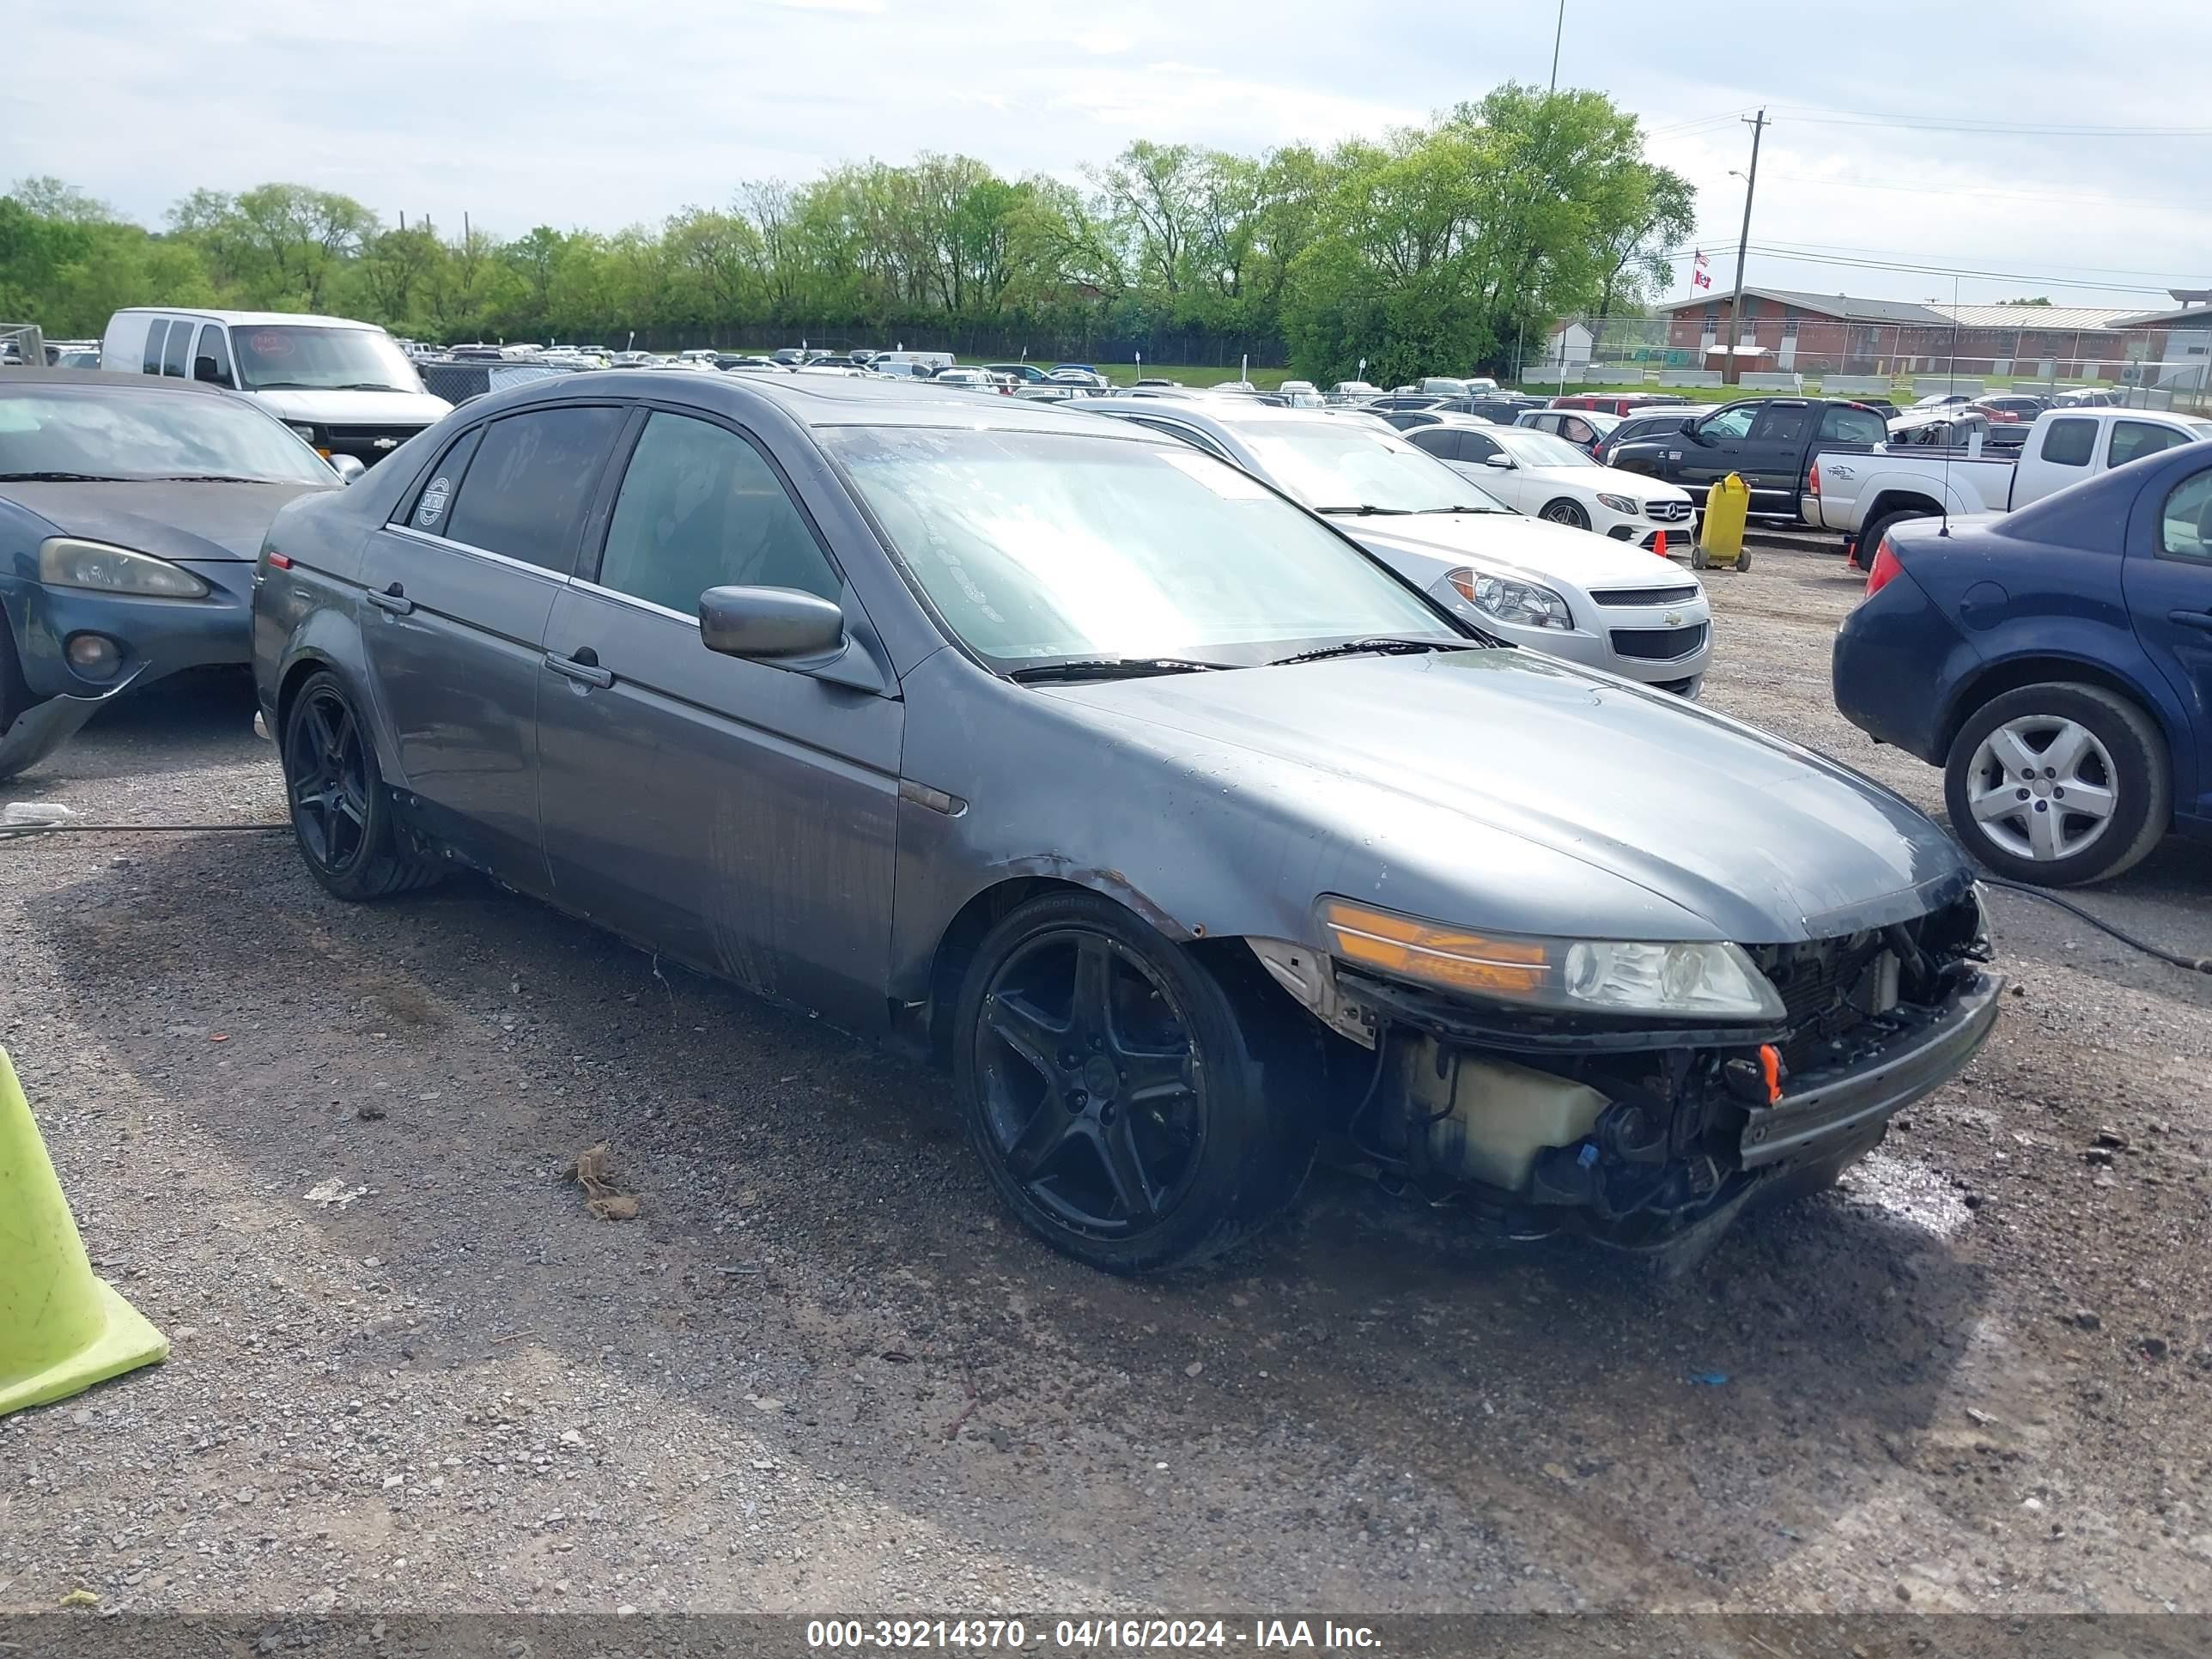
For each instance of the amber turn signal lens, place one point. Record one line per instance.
(1440, 955)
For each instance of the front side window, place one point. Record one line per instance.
(2069, 443)
(530, 482)
(2133, 439)
(699, 508)
(1330, 467)
(313, 357)
(1038, 547)
(1730, 422)
(211, 362)
(156, 332)
(136, 433)
(2185, 521)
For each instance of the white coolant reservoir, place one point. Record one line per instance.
(1490, 1118)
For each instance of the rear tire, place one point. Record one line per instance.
(1135, 1108)
(1870, 537)
(341, 811)
(2006, 780)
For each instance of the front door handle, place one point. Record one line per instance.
(393, 599)
(585, 673)
(2191, 619)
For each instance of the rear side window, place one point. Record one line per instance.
(156, 332)
(1782, 423)
(2185, 521)
(2069, 443)
(699, 508)
(432, 511)
(211, 362)
(529, 484)
(177, 347)
(2133, 439)
(1439, 441)
(1853, 426)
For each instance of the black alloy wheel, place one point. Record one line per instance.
(341, 810)
(1094, 1096)
(326, 771)
(1139, 1105)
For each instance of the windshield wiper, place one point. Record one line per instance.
(367, 385)
(1112, 668)
(1462, 509)
(1364, 509)
(1381, 647)
(64, 478)
(207, 478)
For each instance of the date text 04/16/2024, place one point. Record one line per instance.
(1089, 1635)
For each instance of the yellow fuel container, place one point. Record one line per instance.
(1720, 538)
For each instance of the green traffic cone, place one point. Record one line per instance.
(61, 1329)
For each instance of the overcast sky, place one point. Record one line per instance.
(577, 114)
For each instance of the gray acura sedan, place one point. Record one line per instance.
(1192, 838)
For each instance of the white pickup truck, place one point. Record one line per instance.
(1862, 492)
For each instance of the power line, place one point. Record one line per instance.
(1979, 190)
(2042, 278)
(1968, 124)
(1907, 253)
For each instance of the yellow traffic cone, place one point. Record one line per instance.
(61, 1329)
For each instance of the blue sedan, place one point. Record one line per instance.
(2057, 662)
(132, 512)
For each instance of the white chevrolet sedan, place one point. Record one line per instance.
(1547, 477)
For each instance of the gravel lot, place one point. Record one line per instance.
(821, 1373)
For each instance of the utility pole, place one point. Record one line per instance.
(1558, 29)
(1730, 371)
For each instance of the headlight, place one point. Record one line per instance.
(65, 562)
(1693, 980)
(1523, 603)
(305, 432)
(1622, 504)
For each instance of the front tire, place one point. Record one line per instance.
(1135, 1108)
(2059, 784)
(1570, 514)
(341, 810)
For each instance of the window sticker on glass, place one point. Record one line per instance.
(1223, 480)
(432, 506)
(272, 342)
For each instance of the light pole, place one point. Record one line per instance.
(1558, 29)
(1729, 372)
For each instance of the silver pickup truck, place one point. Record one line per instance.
(1861, 493)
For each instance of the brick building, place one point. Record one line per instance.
(1834, 333)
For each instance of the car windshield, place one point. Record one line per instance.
(1038, 546)
(1532, 449)
(113, 433)
(303, 356)
(1337, 465)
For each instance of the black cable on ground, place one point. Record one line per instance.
(2189, 964)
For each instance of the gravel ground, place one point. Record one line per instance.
(821, 1373)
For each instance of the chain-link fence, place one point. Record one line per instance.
(2163, 365)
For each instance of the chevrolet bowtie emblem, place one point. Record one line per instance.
(1673, 619)
(385, 443)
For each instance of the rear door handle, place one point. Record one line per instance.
(2191, 619)
(393, 599)
(584, 673)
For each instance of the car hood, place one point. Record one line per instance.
(1503, 542)
(184, 521)
(1637, 486)
(1432, 765)
(356, 408)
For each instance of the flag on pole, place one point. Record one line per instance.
(1699, 276)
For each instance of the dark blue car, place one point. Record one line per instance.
(131, 510)
(2057, 662)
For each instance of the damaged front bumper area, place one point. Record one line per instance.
(1643, 1135)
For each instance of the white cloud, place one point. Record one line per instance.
(1104, 43)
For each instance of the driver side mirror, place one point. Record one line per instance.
(769, 624)
(1503, 462)
(208, 372)
(349, 468)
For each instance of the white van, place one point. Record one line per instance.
(920, 365)
(344, 386)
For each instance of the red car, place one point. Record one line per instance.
(1614, 402)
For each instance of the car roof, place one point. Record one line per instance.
(252, 318)
(129, 381)
(817, 401)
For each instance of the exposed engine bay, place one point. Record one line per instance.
(1638, 1133)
